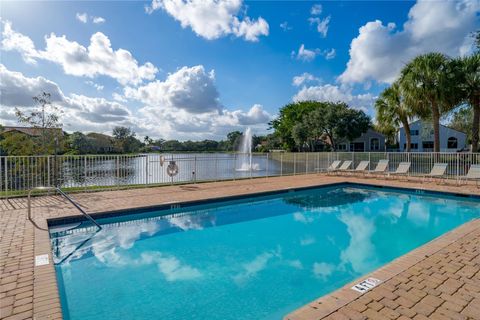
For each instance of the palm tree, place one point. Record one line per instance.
(393, 111)
(469, 85)
(427, 80)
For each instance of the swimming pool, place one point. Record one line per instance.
(251, 258)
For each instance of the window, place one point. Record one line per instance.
(452, 143)
(374, 144)
(342, 147)
(427, 145)
(413, 146)
(357, 147)
(414, 132)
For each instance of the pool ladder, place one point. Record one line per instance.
(63, 194)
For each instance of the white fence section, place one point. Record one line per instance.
(86, 172)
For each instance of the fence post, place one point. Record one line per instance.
(458, 167)
(84, 173)
(6, 177)
(234, 166)
(195, 169)
(266, 175)
(294, 163)
(146, 169)
(250, 164)
(117, 169)
(48, 171)
(281, 164)
(306, 162)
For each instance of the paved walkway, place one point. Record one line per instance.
(440, 280)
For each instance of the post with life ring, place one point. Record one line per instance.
(172, 169)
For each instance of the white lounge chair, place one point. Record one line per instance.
(381, 168)
(402, 170)
(344, 167)
(472, 174)
(333, 166)
(362, 167)
(438, 171)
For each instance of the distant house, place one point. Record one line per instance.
(451, 140)
(370, 141)
(100, 143)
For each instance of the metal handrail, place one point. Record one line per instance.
(76, 205)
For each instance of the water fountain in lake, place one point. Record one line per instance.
(245, 153)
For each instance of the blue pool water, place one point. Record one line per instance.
(256, 258)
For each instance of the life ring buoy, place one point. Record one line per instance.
(172, 169)
(162, 160)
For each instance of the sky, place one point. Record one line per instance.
(198, 69)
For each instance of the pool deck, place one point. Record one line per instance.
(439, 280)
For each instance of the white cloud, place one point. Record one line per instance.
(173, 120)
(118, 97)
(17, 90)
(212, 19)
(171, 268)
(252, 268)
(305, 54)
(304, 78)
(285, 27)
(322, 24)
(95, 60)
(79, 112)
(95, 85)
(316, 9)
(191, 89)
(329, 92)
(322, 270)
(12, 40)
(308, 240)
(98, 20)
(187, 104)
(330, 54)
(380, 51)
(82, 17)
(179, 124)
(361, 252)
(300, 217)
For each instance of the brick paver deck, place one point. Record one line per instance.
(440, 280)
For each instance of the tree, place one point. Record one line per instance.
(147, 140)
(18, 144)
(233, 140)
(330, 122)
(46, 118)
(428, 80)
(125, 140)
(78, 143)
(342, 122)
(469, 85)
(289, 116)
(462, 120)
(476, 39)
(300, 133)
(392, 111)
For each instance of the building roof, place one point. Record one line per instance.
(419, 120)
(33, 132)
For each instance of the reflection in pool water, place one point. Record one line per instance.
(258, 258)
